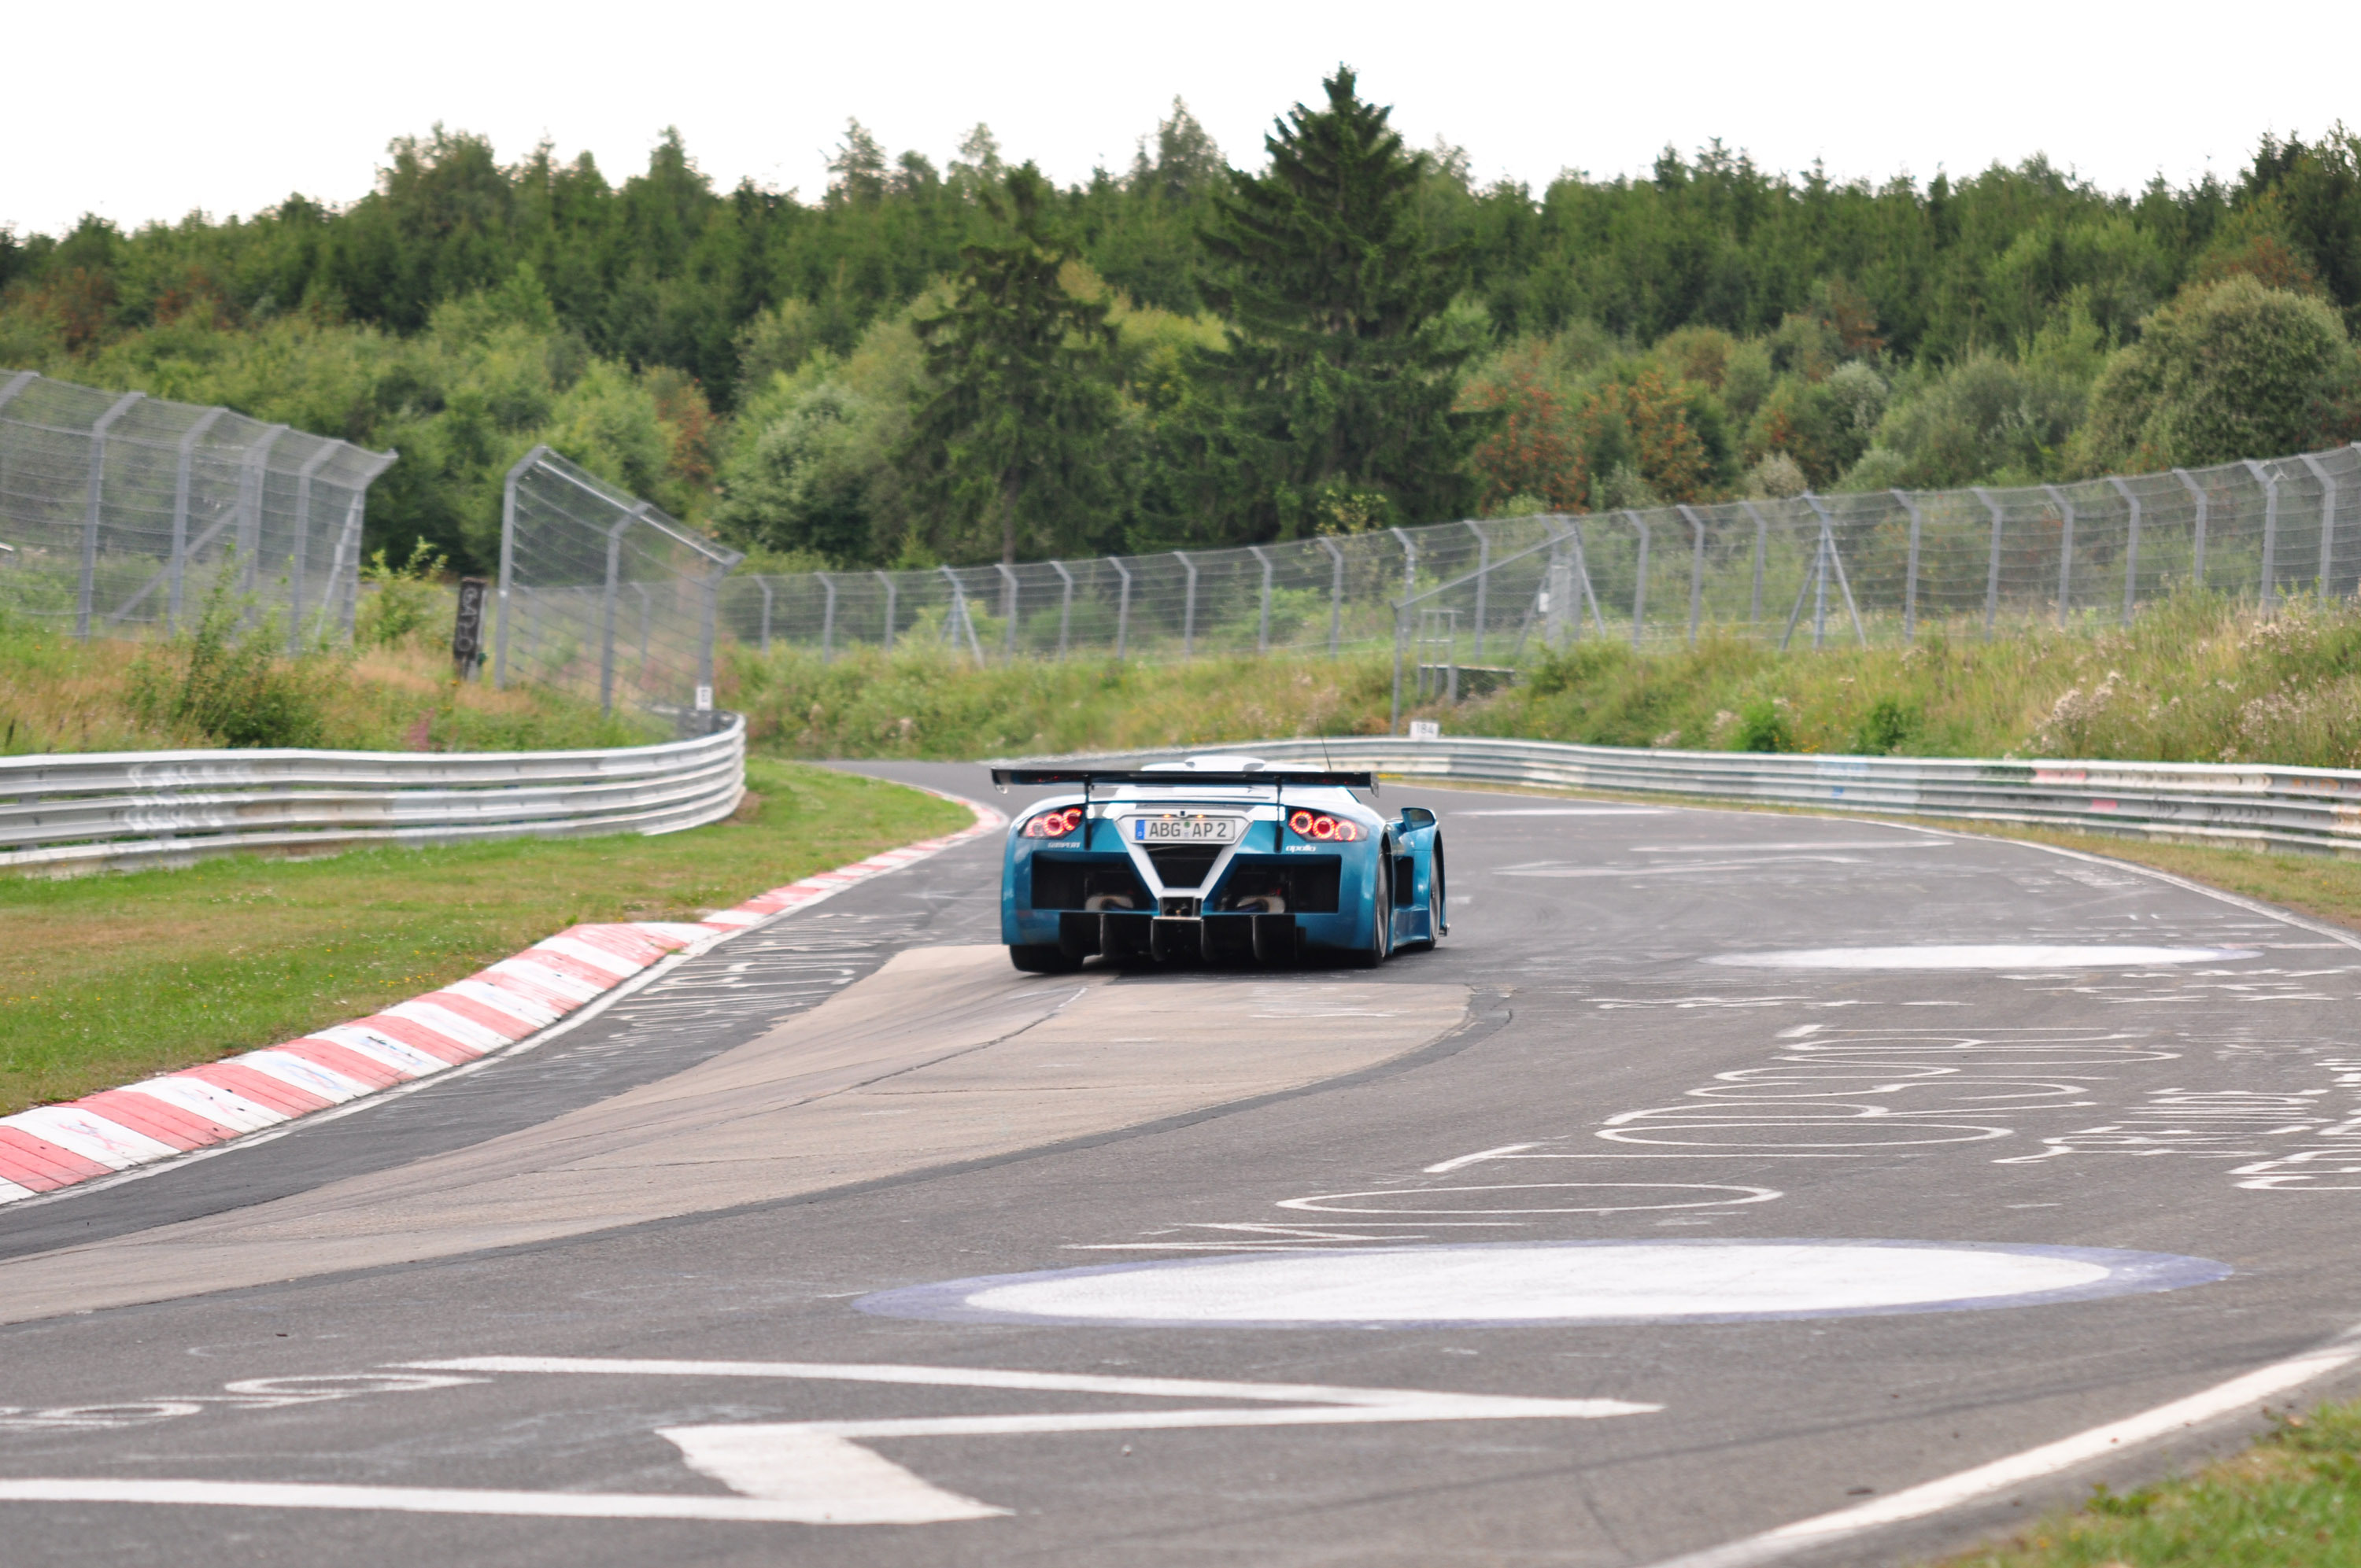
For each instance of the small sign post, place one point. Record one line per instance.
(468, 629)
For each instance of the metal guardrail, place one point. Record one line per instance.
(2243, 806)
(126, 809)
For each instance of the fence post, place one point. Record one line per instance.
(1410, 562)
(2197, 493)
(1832, 558)
(1640, 587)
(508, 563)
(301, 559)
(607, 608)
(1122, 605)
(1008, 609)
(887, 578)
(2131, 547)
(1336, 594)
(1697, 570)
(2270, 484)
(2065, 551)
(1065, 607)
(2327, 521)
(709, 619)
(1188, 607)
(1762, 543)
(1393, 722)
(1910, 582)
(1262, 630)
(1992, 572)
(91, 508)
(1483, 579)
(182, 479)
(763, 585)
(826, 617)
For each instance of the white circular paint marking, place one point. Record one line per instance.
(1528, 1197)
(1552, 1282)
(1986, 955)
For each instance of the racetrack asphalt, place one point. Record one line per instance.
(2187, 1097)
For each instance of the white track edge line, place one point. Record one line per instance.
(655, 971)
(1984, 1481)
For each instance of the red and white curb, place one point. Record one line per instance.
(502, 1006)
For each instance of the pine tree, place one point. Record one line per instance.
(1342, 361)
(1014, 433)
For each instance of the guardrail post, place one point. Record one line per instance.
(508, 563)
(91, 508)
(2197, 493)
(1262, 631)
(826, 617)
(2270, 484)
(2131, 547)
(887, 578)
(1697, 570)
(1065, 607)
(1762, 544)
(1336, 594)
(300, 558)
(1007, 611)
(1992, 572)
(2327, 521)
(1122, 605)
(2065, 551)
(1188, 607)
(763, 585)
(183, 479)
(1910, 576)
(1483, 579)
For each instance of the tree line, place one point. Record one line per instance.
(972, 362)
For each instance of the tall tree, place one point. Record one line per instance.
(1340, 355)
(1015, 432)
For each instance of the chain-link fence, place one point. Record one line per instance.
(120, 511)
(604, 595)
(1862, 568)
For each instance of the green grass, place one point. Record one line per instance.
(2293, 1500)
(2195, 678)
(105, 980)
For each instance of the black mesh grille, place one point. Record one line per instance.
(1185, 865)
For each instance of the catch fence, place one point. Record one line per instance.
(603, 595)
(1855, 568)
(120, 511)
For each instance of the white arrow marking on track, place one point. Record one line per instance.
(813, 1472)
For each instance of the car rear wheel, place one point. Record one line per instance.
(1042, 957)
(1438, 902)
(1381, 919)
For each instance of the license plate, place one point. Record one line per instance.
(1186, 829)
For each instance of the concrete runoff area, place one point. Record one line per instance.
(1731, 1188)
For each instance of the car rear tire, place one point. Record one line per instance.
(1438, 901)
(1381, 919)
(1042, 957)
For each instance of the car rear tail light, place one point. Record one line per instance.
(1054, 824)
(1321, 826)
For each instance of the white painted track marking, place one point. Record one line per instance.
(1992, 955)
(1918, 1502)
(1569, 811)
(813, 1472)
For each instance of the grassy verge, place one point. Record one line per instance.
(2293, 1500)
(2196, 678)
(103, 979)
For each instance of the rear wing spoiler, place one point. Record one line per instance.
(1181, 778)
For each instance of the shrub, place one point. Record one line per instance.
(1762, 727)
(230, 683)
(406, 600)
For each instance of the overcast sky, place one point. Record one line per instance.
(140, 112)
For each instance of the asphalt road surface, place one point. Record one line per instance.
(1719, 1171)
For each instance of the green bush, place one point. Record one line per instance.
(406, 600)
(228, 680)
(1762, 727)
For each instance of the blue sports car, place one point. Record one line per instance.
(1217, 858)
